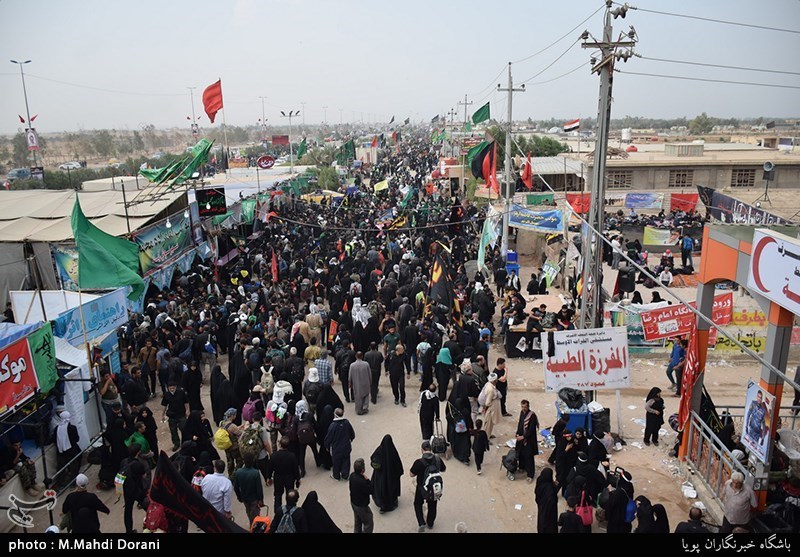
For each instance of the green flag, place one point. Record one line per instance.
(407, 199)
(301, 149)
(481, 115)
(43, 352)
(150, 173)
(167, 172)
(468, 127)
(347, 153)
(248, 210)
(199, 156)
(104, 261)
(488, 236)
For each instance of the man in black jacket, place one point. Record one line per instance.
(375, 360)
(360, 490)
(694, 525)
(339, 441)
(284, 471)
(83, 507)
(344, 357)
(527, 444)
(418, 470)
(136, 392)
(409, 336)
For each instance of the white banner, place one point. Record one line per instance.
(587, 359)
(775, 268)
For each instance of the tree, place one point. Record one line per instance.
(103, 143)
(321, 156)
(138, 142)
(328, 178)
(701, 124)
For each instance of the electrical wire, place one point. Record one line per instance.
(686, 78)
(550, 65)
(712, 20)
(106, 90)
(672, 293)
(491, 83)
(717, 66)
(562, 37)
(583, 64)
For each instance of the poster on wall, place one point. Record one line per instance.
(644, 200)
(677, 320)
(211, 202)
(660, 236)
(66, 261)
(775, 268)
(161, 242)
(586, 359)
(759, 408)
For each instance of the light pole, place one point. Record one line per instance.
(292, 114)
(341, 121)
(304, 114)
(195, 129)
(325, 112)
(263, 120)
(25, 94)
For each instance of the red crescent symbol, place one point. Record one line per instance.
(762, 243)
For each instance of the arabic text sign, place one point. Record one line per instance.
(101, 315)
(644, 200)
(775, 269)
(759, 408)
(541, 221)
(160, 243)
(677, 320)
(588, 359)
(18, 380)
(660, 236)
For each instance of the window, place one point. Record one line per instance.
(619, 179)
(681, 178)
(743, 178)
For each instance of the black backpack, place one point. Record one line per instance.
(433, 483)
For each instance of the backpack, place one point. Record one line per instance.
(433, 484)
(305, 433)
(482, 397)
(276, 413)
(222, 439)
(249, 409)
(267, 380)
(290, 429)
(250, 441)
(186, 355)
(286, 525)
(197, 480)
(630, 510)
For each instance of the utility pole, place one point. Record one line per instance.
(461, 146)
(507, 191)
(325, 112)
(292, 114)
(195, 130)
(263, 120)
(304, 114)
(27, 109)
(452, 113)
(592, 247)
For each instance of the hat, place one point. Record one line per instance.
(667, 252)
(81, 480)
(256, 341)
(313, 375)
(492, 377)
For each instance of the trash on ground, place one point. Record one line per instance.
(518, 507)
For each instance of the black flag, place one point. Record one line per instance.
(392, 120)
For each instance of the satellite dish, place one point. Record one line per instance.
(768, 166)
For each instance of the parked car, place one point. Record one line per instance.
(72, 165)
(18, 174)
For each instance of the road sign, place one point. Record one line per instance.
(265, 162)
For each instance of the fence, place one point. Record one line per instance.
(787, 415)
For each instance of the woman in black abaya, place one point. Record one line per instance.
(317, 518)
(222, 396)
(546, 493)
(459, 410)
(198, 429)
(428, 411)
(387, 471)
(616, 509)
(324, 420)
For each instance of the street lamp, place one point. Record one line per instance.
(292, 114)
(325, 118)
(25, 93)
(263, 121)
(195, 128)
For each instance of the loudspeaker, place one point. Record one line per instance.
(769, 175)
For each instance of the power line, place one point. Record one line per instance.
(712, 20)
(560, 76)
(550, 65)
(561, 38)
(717, 66)
(107, 90)
(774, 85)
(491, 84)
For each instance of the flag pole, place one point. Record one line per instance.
(80, 312)
(225, 136)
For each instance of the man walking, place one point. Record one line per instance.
(83, 507)
(422, 469)
(395, 369)
(247, 486)
(360, 383)
(339, 441)
(527, 444)
(217, 489)
(375, 360)
(344, 357)
(360, 491)
(174, 403)
(284, 470)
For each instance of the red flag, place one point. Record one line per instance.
(212, 99)
(375, 141)
(270, 215)
(490, 170)
(21, 119)
(333, 329)
(690, 372)
(345, 306)
(527, 174)
(394, 136)
(34, 117)
(274, 267)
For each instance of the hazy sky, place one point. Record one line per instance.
(132, 61)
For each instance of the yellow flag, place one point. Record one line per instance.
(380, 186)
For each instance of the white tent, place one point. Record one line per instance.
(27, 306)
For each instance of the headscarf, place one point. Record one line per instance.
(444, 357)
(230, 414)
(300, 410)
(427, 394)
(544, 484)
(652, 394)
(62, 433)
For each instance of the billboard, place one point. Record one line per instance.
(759, 408)
(587, 359)
(775, 269)
(677, 320)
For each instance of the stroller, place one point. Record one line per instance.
(511, 463)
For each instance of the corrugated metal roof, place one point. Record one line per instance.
(558, 165)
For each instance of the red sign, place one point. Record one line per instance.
(18, 380)
(265, 162)
(580, 202)
(683, 201)
(673, 321)
(280, 140)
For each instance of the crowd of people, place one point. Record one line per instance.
(326, 297)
